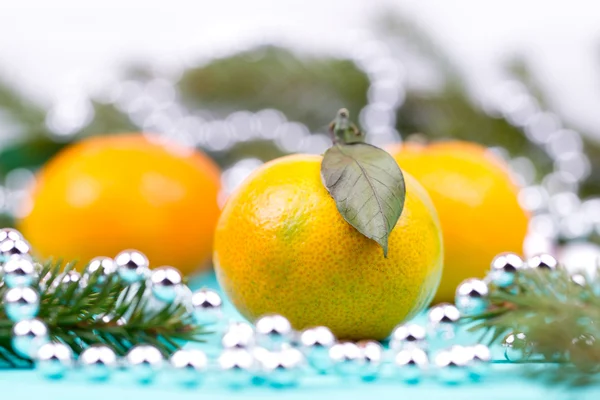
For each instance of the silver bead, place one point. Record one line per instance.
(98, 362)
(14, 247)
(516, 347)
(63, 281)
(21, 303)
(189, 366)
(69, 278)
(443, 313)
(102, 267)
(9, 234)
(261, 356)
(239, 335)
(19, 271)
(282, 368)
(273, 331)
(442, 320)
(315, 344)
(504, 269)
(479, 363)
(472, 296)
(239, 366)
(165, 283)
(543, 262)
(207, 307)
(408, 336)
(144, 362)
(54, 359)
(132, 266)
(346, 358)
(451, 365)
(410, 364)
(28, 336)
(579, 279)
(371, 359)
(110, 319)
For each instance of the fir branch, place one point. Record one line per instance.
(559, 317)
(106, 312)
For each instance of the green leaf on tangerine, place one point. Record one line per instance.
(367, 186)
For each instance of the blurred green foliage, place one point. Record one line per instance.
(450, 113)
(306, 89)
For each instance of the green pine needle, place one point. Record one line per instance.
(560, 318)
(109, 312)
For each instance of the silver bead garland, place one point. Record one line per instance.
(53, 360)
(544, 262)
(410, 363)
(472, 296)
(442, 320)
(9, 234)
(98, 362)
(273, 332)
(64, 280)
(144, 362)
(28, 336)
(13, 247)
(504, 269)
(206, 306)
(104, 267)
(239, 364)
(479, 363)
(190, 366)
(239, 335)
(408, 336)
(267, 350)
(21, 303)
(10, 238)
(516, 347)
(165, 282)
(132, 266)
(270, 351)
(315, 343)
(282, 368)
(371, 359)
(18, 271)
(346, 358)
(451, 365)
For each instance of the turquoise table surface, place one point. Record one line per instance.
(505, 381)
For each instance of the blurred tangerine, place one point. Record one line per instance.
(108, 193)
(477, 202)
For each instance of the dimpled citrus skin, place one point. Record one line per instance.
(476, 201)
(109, 193)
(282, 247)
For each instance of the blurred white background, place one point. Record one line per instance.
(47, 47)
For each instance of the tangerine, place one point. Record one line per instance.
(108, 193)
(477, 202)
(281, 246)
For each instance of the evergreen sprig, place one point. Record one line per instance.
(560, 316)
(101, 311)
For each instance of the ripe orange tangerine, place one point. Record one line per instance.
(109, 193)
(281, 246)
